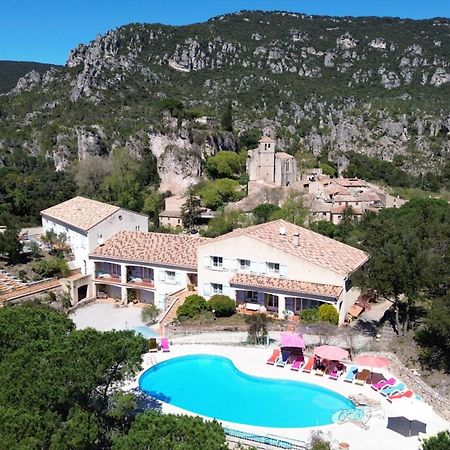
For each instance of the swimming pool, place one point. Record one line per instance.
(212, 386)
(145, 331)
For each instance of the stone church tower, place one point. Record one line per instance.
(263, 164)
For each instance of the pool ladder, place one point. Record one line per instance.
(152, 361)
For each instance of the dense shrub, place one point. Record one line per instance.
(222, 305)
(439, 442)
(310, 315)
(263, 213)
(193, 306)
(51, 267)
(328, 313)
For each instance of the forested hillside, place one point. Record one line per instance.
(12, 71)
(348, 91)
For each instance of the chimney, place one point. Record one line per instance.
(296, 239)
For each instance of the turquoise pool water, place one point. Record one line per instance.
(212, 386)
(145, 331)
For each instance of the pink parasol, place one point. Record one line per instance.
(291, 340)
(331, 352)
(372, 361)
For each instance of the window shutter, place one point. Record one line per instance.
(283, 270)
(207, 289)
(162, 275)
(207, 261)
(178, 277)
(253, 266)
(262, 267)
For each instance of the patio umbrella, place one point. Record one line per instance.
(405, 426)
(374, 362)
(292, 340)
(331, 352)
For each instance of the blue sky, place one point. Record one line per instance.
(45, 30)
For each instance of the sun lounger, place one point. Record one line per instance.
(153, 345)
(283, 359)
(405, 394)
(309, 365)
(361, 377)
(391, 390)
(383, 383)
(297, 363)
(350, 374)
(335, 374)
(273, 358)
(165, 344)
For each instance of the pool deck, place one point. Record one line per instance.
(253, 361)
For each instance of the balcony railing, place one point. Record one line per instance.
(144, 282)
(106, 277)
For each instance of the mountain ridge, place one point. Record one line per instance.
(321, 84)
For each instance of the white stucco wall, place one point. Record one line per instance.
(84, 242)
(259, 253)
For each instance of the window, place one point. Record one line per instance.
(217, 261)
(271, 301)
(244, 264)
(273, 267)
(251, 296)
(137, 227)
(288, 166)
(217, 288)
(170, 276)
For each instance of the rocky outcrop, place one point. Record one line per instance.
(90, 142)
(178, 169)
(27, 82)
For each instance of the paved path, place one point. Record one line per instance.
(107, 316)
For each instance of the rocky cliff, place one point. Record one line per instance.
(324, 84)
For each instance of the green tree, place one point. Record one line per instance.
(433, 336)
(192, 307)
(292, 210)
(224, 222)
(227, 118)
(121, 186)
(89, 174)
(324, 227)
(10, 245)
(190, 211)
(328, 313)
(222, 305)
(263, 213)
(224, 164)
(258, 328)
(153, 205)
(409, 254)
(327, 169)
(216, 193)
(150, 313)
(30, 323)
(51, 267)
(154, 431)
(439, 442)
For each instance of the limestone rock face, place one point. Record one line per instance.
(90, 142)
(27, 82)
(179, 169)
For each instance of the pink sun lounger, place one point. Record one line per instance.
(297, 363)
(383, 383)
(165, 344)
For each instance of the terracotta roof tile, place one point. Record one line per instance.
(157, 248)
(81, 212)
(316, 248)
(267, 139)
(287, 286)
(283, 155)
